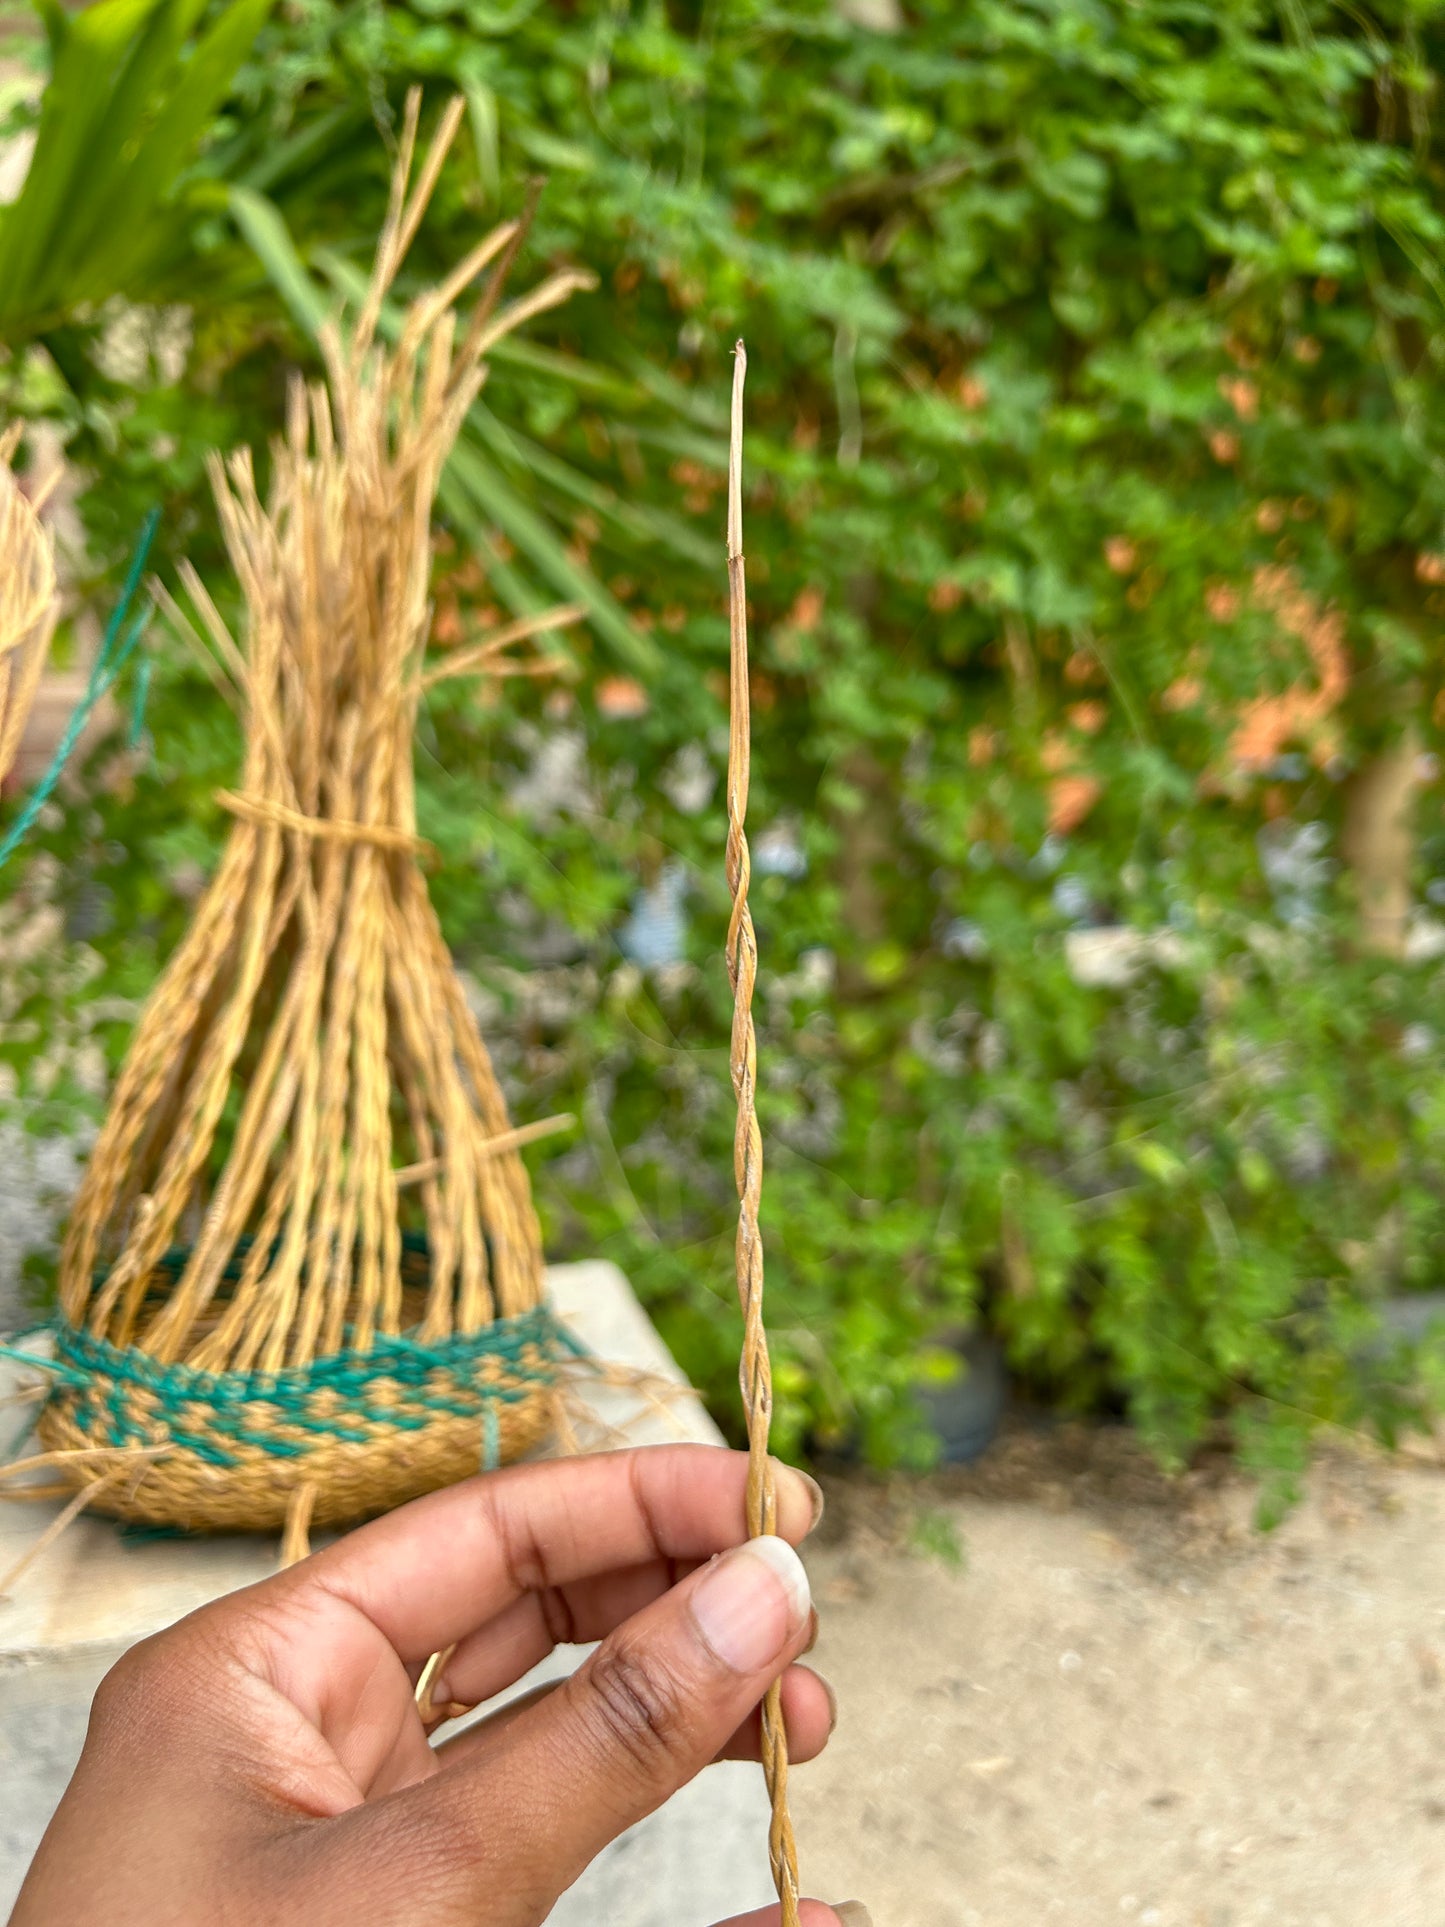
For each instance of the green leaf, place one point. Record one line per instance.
(483, 118)
(261, 222)
(1157, 1161)
(125, 106)
(645, 524)
(522, 525)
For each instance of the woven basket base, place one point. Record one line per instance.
(353, 1480)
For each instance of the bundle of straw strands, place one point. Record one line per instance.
(304, 1267)
(28, 603)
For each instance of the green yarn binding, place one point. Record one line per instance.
(230, 1400)
(202, 1410)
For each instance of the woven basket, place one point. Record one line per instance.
(303, 1274)
(367, 1430)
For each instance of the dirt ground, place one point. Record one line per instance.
(1127, 1706)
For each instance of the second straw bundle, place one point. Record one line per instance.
(28, 604)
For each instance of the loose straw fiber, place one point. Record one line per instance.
(304, 1252)
(742, 952)
(28, 604)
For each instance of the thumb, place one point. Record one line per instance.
(645, 1713)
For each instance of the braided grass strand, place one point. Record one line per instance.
(742, 952)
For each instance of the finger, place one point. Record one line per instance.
(536, 1528)
(812, 1913)
(810, 1713)
(523, 1634)
(656, 1701)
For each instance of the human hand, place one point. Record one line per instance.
(264, 1761)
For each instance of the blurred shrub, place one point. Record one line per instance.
(1097, 559)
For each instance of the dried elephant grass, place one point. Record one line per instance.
(28, 603)
(303, 1269)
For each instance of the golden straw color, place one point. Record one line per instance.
(28, 603)
(742, 950)
(306, 1210)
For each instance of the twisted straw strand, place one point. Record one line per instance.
(742, 951)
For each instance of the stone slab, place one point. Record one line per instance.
(93, 1593)
(97, 1587)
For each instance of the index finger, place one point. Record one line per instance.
(432, 1571)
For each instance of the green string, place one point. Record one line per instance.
(138, 702)
(111, 659)
(210, 1414)
(66, 1373)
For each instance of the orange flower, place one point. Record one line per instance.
(1120, 554)
(806, 610)
(1269, 722)
(1054, 753)
(1269, 517)
(1224, 445)
(1070, 800)
(1089, 717)
(1183, 693)
(1430, 568)
(944, 595)
(1221, 599)
(447, 624)
(971, 391)
(1241, 394)
(621, 698)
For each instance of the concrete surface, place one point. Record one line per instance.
(1126, 1707)
(93, 1593)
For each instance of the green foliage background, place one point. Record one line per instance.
(1096, 391)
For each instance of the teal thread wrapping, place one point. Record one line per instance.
(205, 1412)
(138, 702)
(213, 1413)
(42, 1364)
